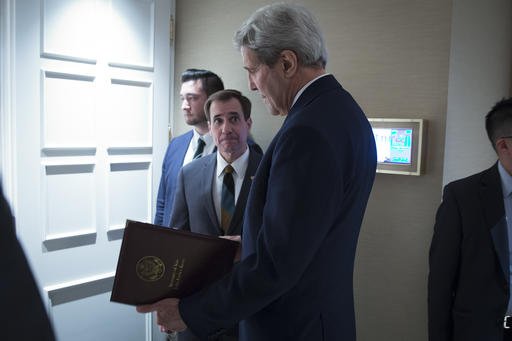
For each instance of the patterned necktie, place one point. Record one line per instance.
(199, 149)
(227, 203)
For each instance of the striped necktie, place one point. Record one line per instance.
(227, 203)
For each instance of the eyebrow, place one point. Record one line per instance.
(231, 113)
(193, 94)
(252, 68)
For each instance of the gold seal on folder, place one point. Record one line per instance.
(150, 268)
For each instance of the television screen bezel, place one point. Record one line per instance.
(418, 127)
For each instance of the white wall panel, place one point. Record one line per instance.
(129, 118)
(130, 46)
(68, 198)
(68, 110)
(69, 29)
(129, 180)
(80, 320)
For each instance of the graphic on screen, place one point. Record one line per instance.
(394, 145)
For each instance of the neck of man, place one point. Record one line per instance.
(506, 163)
(202, 128)
(303, 76)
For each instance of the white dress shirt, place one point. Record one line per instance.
(192, 146)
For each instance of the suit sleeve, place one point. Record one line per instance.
(444, 265)
(180, 214)
(302, 197)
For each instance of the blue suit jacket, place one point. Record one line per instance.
(173, 161)
(468, 287)
(300, 231)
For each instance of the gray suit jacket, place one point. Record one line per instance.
(194, 209)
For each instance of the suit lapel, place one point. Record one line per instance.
(494, 212)
(207, 183)
(183, 149)
(238, 215)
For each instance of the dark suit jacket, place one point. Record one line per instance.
(468, 287)
(300, 230)
(24, 316)
(194, 209)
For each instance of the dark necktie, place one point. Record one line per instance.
(199, 149)
(227, 203)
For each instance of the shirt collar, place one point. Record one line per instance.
(239, 165)
(506, 180)
(305, 87)
(207, 138)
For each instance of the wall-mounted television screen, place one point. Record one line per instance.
(400, 144)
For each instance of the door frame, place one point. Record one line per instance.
(7, 117)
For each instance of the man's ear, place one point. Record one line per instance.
(503, 148)
(500, 144)
(289, 62)
(249, 123)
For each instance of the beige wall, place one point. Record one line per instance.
(480, 70)
(393, 56)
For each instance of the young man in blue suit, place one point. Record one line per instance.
(196, 86)
(470, 255)
(307, 200)
(199, 192)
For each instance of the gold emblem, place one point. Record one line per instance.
(150, 268)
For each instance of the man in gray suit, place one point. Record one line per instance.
(211, 199)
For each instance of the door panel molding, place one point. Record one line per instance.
(81, 288)
(75, 239)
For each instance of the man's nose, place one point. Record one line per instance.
(252, 85)
(227, 128)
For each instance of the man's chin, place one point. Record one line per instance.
(192, 122)
(188, 120)
(272, 111)
(230, 154)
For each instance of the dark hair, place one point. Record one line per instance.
(225, 95)
(210, 81)
(498, 122)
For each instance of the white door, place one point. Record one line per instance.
(91, 104)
